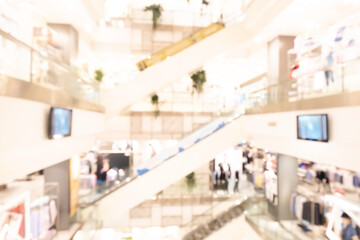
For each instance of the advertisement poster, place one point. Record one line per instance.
(14, 218)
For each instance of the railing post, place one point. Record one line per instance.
(31, 65)
(342, 78)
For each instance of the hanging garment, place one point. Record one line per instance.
(308, 176)
(312, 213)
(322, 176)
(356, 181)
(299, 201)
(292, 202)
(348, 182)
(45, 214)
(53, 212)
(36, 224)
(337, 177)
(259, 180)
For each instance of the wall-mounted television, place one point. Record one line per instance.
(313, 127)
(60, 123)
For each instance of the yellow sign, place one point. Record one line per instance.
(74, 183)
(179, 46)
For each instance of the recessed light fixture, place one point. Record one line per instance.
(258, 39)
(88, 28)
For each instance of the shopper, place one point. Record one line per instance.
(102, 170)
(348, 231)
(153, 152)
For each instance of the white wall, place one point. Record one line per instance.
(237, 229)
(116, 128)
(342, 150)
(24, 143)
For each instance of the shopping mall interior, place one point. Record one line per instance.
(179, 119)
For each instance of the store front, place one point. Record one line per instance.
(29, 209)
(310, 200)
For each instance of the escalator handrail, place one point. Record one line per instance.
(242, 205)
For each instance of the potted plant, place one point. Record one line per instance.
(190, 181)
(155, 103)
(156, 13)
(99, 75)
(199, 78)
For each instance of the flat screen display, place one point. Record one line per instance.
(313, 127)
(60, 122)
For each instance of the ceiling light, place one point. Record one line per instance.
(27, 5)
(120, 24)
(241, 18)
(258, 39)
(70, 6)
(88, 28)
(102, 23)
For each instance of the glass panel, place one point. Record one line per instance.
(351, 73)
(15, 60)
(257, 215)
(20, 61)
(51, 74)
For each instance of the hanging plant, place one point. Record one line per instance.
(155, 103)
(204, 2)
(190, 181)
(99, 75)
(199, 78)
(156, 13)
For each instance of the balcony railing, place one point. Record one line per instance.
(339, 79)
(21, 61)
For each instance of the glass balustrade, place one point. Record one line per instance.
(342, 78)
(22, 62)
(257, 215)
(15, 59)
(246, 191)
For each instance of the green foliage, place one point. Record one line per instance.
(155, 103)
(204, 2)
(190, 181)
(156, 13)
(99, 75)
(199, 78)
(155, 100)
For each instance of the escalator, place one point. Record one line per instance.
(193, 56)
(162, 170)
(204, 230)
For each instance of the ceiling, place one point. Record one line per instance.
(233, 67)
(308, 16)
